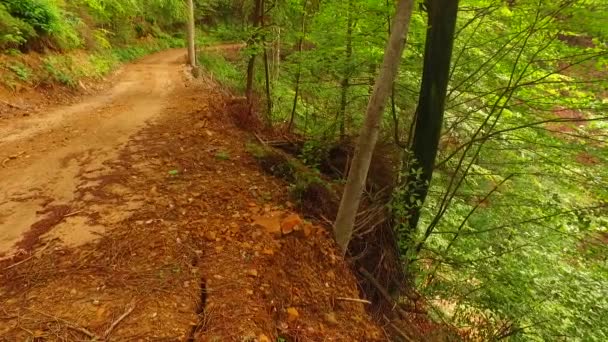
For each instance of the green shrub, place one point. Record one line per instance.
(39, 14)
(13, 32)
(102, 64)
(226, 73)
(27, 21)
(58, 69)
(21, 71)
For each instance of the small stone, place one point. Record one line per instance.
(307, 230)
(271, 224)
(331, 318)
(289, 224)
(210, 236)
(249, 292)
(252, 273)
(292, 314)
(95, 302)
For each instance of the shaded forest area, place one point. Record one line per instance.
(486, 201)
(489, 209)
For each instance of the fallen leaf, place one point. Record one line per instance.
(289, 224)
(211, 236)
(292, 314)
(330, 317)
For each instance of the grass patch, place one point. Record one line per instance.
(225, 72)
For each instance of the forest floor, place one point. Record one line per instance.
(138, 214)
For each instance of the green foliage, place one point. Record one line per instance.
(21, 71)
(222, 155)
(59, 69)
(227, 73)
(13, 31)
(54, 24)
(515, 203)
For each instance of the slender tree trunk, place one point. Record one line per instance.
(345, 83)
(368, 137)
(257, 18)
(266, 71)
(268, 95)
(276, 70)
(299, 72)
(431, 104)
(191, 35)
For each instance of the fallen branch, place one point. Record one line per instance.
(401, 333)
(117, 321)
(26, 259)
(74, 213)
(11, 105)
(70, 325)
(260, 139)
(356, 300)
(387, 297)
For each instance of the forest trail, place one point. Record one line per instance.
(139, 214)
(49, 150)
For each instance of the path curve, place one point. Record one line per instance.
(43, 155)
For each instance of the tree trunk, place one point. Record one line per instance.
(345, 83)
(276, 65)
(299, 72)
(431, 104)
(191, 37)
(257, 18)
(368, 137)
(268, 95)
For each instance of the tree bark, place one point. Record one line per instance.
(368, 137)
(345, 83)
(257, 19)
(268, 95)
(299, 72)
(191, 35)
(431, 104)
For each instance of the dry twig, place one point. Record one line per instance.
(70, 325)
(117, 321)
(28, 258)
(356, 300)
(11, 104)
(383, 292)
(74, 213)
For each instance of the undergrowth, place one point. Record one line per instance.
(70, 68)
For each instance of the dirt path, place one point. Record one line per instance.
(141, 215)
(52, 148)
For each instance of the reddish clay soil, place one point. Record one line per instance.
(138, 214)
